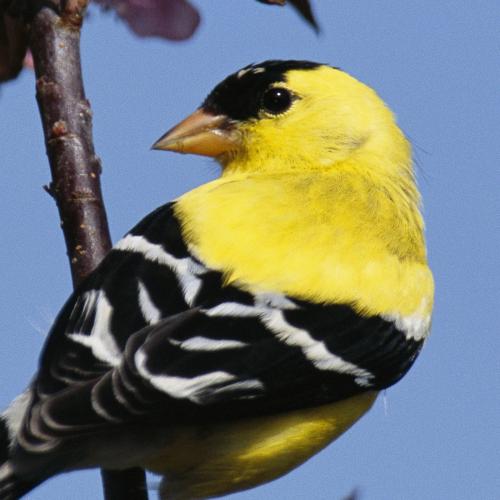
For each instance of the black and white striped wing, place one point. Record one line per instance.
(228, 361)
(149, 275)
(154, 334)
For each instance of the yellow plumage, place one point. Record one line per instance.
(318, 203)
(207, 461)
(335, 250)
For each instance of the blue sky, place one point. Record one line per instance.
(434, 435)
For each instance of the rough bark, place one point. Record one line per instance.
(67, 125)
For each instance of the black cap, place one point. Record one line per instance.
(239, 95)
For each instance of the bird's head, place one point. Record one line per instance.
(291, 115)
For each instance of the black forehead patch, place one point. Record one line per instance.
(239, 95)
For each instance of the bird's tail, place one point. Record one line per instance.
(11, 486)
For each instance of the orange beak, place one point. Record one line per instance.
(201, 133)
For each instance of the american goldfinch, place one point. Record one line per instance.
(238, 330)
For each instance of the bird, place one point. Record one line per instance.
(238, 330)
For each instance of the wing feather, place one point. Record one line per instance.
(155, 335)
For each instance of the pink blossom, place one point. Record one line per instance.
(172, 19)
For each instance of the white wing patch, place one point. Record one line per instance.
(233, 309)
(99, 340)
(415, 326)
(14, 414)
(314, 350)
(264, 302)
(269, 308)
(207, 344)
(186, 269)
(149, 311)
(196, 388)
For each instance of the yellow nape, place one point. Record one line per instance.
(208, 461)
(333, 118)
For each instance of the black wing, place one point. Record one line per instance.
(228, 361)
(149, 275)
(154, 334)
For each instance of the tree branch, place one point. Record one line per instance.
(67, 125)
(129, 484)
(54, 40)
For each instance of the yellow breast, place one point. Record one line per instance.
(214, 460)
(333, 237)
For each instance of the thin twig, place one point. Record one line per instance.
(54, 40)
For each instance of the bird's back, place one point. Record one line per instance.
(334, 237)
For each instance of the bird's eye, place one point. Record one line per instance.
(276, 100)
